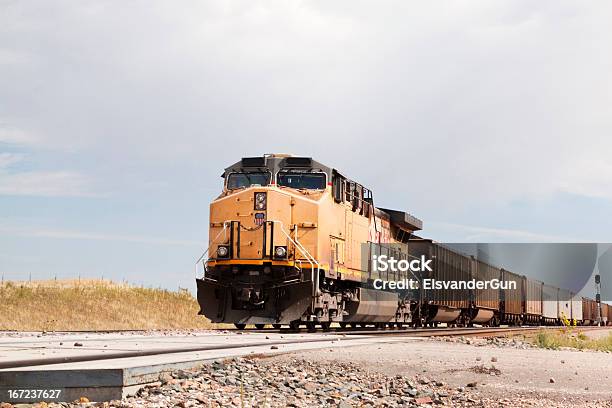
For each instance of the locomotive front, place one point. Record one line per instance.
(262, 264)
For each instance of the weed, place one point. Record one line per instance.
(555, 340)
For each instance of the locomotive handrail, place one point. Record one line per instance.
(311, 259)
(208, 249)
(303, 249)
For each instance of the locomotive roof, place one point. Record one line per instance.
(275, 162)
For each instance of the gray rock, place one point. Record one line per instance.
(165, 378)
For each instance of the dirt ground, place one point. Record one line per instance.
(502, 375)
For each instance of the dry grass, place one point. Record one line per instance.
(573, 339)
(95, 305)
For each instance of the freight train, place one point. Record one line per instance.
(291, 242)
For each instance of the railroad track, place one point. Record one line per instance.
(333, 336)
(420, 332)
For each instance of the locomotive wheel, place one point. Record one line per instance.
(310, 326)
(325, 326)
(277, 326)
(240, 326)
(399, 325)
(391, 325)
(354, 325)
(295, 325)
(343, 325)
(259, 326)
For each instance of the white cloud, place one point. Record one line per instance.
(480, 101)
(16, 136)
(8, 159)
(45, 184)
(473, 233)
(10, 57)
(40, 183)
(589, 177)
(81, 235)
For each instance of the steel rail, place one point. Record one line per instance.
(152, 352)
(451, 331)
(367, 334)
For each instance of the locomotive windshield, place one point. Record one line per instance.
(311, 181)
(241, 180)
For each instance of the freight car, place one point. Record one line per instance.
(576, 309)
(442, 305)
(564, 313)
(532, 305)
(589, 311)
(550, 304)
(485, 308)
(605, 314)
(511, 307)
(291, 242)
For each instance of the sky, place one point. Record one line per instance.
(490, 121)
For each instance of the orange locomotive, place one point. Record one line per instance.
(290, 242)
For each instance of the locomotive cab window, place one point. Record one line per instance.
(242, 180)
(298, 180)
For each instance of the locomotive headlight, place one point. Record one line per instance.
(260, 201)
(280, 252)
(222, 251)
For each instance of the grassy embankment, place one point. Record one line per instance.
(572, 338)
(95, 305)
